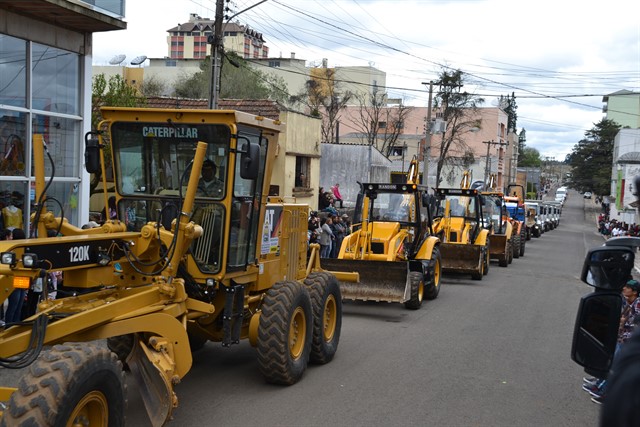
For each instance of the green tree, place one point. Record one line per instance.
(152, 86)
(458, 109)
(323, 98)
(522, 143)
(592, 158)
(112, 92)
(529, 157)
(237, 81)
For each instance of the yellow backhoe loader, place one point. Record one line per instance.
(392, 249)
(178, 267)
(459, 224)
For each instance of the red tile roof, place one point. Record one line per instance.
(259, 107)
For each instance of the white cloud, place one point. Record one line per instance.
(542, 48)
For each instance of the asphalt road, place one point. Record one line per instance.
(489, 353)
(494, 352)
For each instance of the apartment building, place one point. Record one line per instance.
(191, 39)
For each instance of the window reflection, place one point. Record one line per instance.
(13, 73)
(55, 79)
(13, 138)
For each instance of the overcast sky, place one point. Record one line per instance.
(559, 57)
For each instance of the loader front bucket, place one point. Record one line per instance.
(379, 280)
(461, 258)
(498, 246)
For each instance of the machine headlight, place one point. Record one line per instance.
(8, 258)
(29, 260)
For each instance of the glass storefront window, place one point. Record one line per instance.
(61, 136)
(12, 204)
(13, 138)
(53, 113)
(62, 198)
(56, 80)
(13, 73)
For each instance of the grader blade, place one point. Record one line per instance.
(155, 389)
(379, 280)
(462, 258)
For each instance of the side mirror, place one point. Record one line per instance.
(596, 332)
(608, 267)
(250, 161)
(92, 152)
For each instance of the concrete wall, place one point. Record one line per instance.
(348, 164)
(301, 138)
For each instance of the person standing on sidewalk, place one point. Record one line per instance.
(336, 195)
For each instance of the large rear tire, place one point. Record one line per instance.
(516, 246)
(71, 384)
(503, 261)
(326, 303)
(416, 282)
(284, 333)
(510, 251)
(121, 345)
(487, 259)
(523, 242)
(433, 288)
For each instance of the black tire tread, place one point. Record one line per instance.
(274, 359)
(42, 397)
(414, 302)
(320, 284)
(433, 289)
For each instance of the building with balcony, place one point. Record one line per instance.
(191, 39)
(45, 93)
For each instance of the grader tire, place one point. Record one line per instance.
(516, 246)
(121, 345)
(326, 303)
(284, 333)
(416, 282)
(510, 252)
(70, 384)
(433, 288)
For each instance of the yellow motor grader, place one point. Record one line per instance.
(459, 223)
(392, 249)
(178, 267)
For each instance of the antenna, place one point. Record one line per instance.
(138, 60)
(118, 59)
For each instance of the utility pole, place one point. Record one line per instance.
(487, 171)
(216, 47)
(216, 50)
(427, 138)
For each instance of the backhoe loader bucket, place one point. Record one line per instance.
(498, 246)
(461, 258)
(379, 280)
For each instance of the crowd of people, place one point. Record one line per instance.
(327, 226)
(614, 228)
(328, 230)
